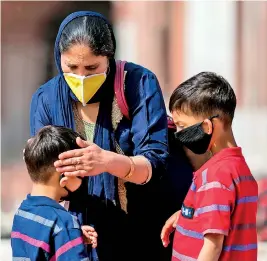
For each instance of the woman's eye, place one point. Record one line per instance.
(73, 67)
(90, 68)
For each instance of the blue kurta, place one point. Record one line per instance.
(145, 135)
(135, 235)
(44, 230)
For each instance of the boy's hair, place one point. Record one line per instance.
(205, 94)
(44, 148)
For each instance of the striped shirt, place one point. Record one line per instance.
(222, 200)
(44, 230)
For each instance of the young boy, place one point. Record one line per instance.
(42, 228)
(218, 217)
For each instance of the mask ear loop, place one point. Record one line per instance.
(215, 116)
(211, 118)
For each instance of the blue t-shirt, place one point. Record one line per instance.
(44, 230)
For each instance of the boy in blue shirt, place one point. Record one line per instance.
(42, 228)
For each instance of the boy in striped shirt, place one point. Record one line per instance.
(42, 228)
(218, 217)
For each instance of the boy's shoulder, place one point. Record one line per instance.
(45, 214)
(224, 167)
(49, 223)
(61, 218)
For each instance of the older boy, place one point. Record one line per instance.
(218, 217)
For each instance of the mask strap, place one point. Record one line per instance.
(215, 116)
(211, 118)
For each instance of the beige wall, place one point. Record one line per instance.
(140, 28)
(252, 54)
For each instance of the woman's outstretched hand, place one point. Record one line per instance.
(90, 160)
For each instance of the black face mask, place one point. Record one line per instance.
(194, 138)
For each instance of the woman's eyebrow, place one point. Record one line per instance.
(92, 65)
(73, 64)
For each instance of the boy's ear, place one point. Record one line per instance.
(63, 182)
(207, 126)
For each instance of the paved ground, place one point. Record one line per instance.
(5, 253)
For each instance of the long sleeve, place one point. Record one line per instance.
(39, 112)
(149, 118)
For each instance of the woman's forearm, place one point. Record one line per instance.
(120, 166)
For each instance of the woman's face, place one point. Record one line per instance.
(79, 59)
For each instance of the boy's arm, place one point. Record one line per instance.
(215, 201)
(69, 246)
(212, 247)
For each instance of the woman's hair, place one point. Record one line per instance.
(92, 31)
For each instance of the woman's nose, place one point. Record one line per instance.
(82, 72)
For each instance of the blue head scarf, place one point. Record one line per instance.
(62, 114)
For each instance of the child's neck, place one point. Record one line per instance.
(226, 140)
(45, 190)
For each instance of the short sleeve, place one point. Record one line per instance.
(39, 112)
(69, 246)
(214, 205)
(149, 118)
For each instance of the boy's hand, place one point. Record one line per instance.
(89, 236)
(168, 228)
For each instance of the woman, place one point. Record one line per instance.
(122, 160)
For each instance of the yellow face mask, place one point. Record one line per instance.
(84, 87)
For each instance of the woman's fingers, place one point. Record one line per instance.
(76, 166)
(82, 143)
(70, 168)
(73, 161)
(72, 154)
(81, 173)
(88, 161)
(66, 162)
(78, 152)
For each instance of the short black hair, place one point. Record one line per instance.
(205, 94)
(44, 148)
(93, 31)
